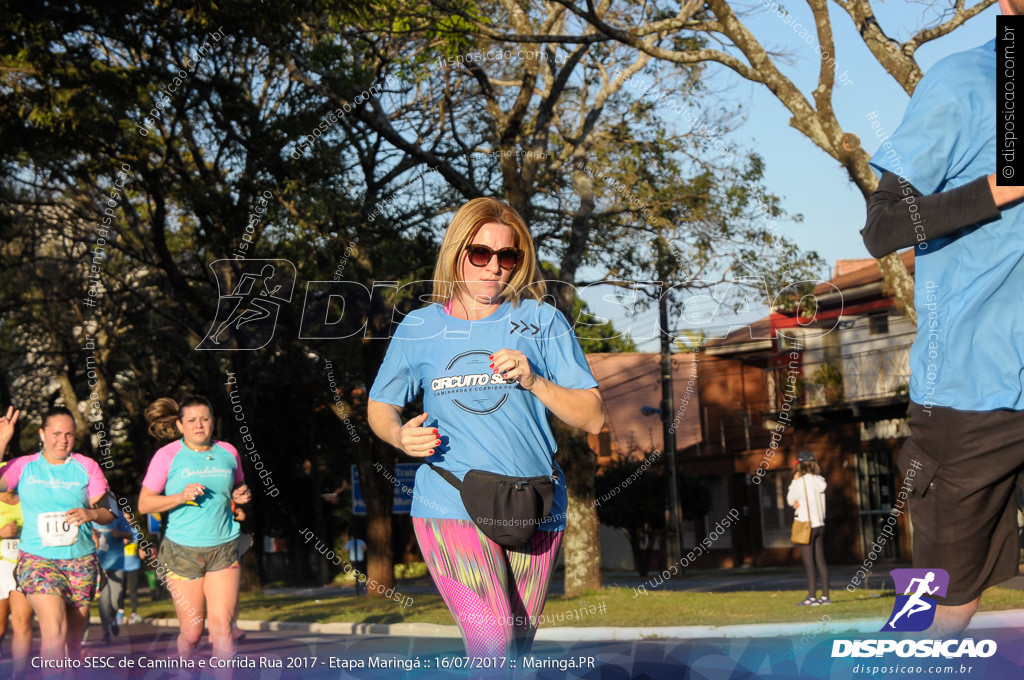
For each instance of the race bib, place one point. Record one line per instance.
(55, 531)
(131, 549)
(9, 549)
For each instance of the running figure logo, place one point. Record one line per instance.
(246, 317)
(914, 611)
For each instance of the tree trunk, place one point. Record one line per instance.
(378, 490)
(899, 284)
(379, 494)
(581, 542)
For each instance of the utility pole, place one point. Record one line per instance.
(673, 548)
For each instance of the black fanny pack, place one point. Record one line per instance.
(508, 510)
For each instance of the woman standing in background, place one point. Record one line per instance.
(807, 495)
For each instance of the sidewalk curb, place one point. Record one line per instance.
(1009, 618)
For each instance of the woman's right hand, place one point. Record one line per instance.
(7, 424)
(416, 440)
(191, 492)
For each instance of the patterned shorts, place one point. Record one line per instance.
(187, 563)
(74, 580)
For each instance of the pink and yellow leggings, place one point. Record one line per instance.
(495, 594)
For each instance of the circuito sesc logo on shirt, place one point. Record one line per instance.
(469, 375)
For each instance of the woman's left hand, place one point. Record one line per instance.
(241, 495)
(79, 516)
(513, 365)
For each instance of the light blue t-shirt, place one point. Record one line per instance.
(356, 548)
(485, 423)
(969, 349)
(208, 521)
(47, 492)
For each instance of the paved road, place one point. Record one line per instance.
(143, 651)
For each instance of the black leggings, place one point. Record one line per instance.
(131, 581)
(814, 552)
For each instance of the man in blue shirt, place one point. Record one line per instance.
(938, 193)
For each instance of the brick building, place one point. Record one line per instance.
(836, 384)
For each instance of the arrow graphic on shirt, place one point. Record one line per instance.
(523, 328)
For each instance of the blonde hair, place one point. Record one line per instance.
(524, 281)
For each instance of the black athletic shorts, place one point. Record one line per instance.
(963, 504)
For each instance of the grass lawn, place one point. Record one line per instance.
(621, 608)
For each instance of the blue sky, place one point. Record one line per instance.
(808, 181)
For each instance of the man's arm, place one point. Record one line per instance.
(891, 224)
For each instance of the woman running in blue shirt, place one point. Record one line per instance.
(492, 361)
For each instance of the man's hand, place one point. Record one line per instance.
(1004, 196)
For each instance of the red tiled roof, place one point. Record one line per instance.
(863, 275)
(855, 275)
(847, 266)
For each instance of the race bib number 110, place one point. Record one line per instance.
(55, 531)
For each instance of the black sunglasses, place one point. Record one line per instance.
(480, 256)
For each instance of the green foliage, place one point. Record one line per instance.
(631, 497)
(86, 94)
(828, 376)
(598, 337)
(412, 570)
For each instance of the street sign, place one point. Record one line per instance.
(405, 473)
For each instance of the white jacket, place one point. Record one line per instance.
(815, 499)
